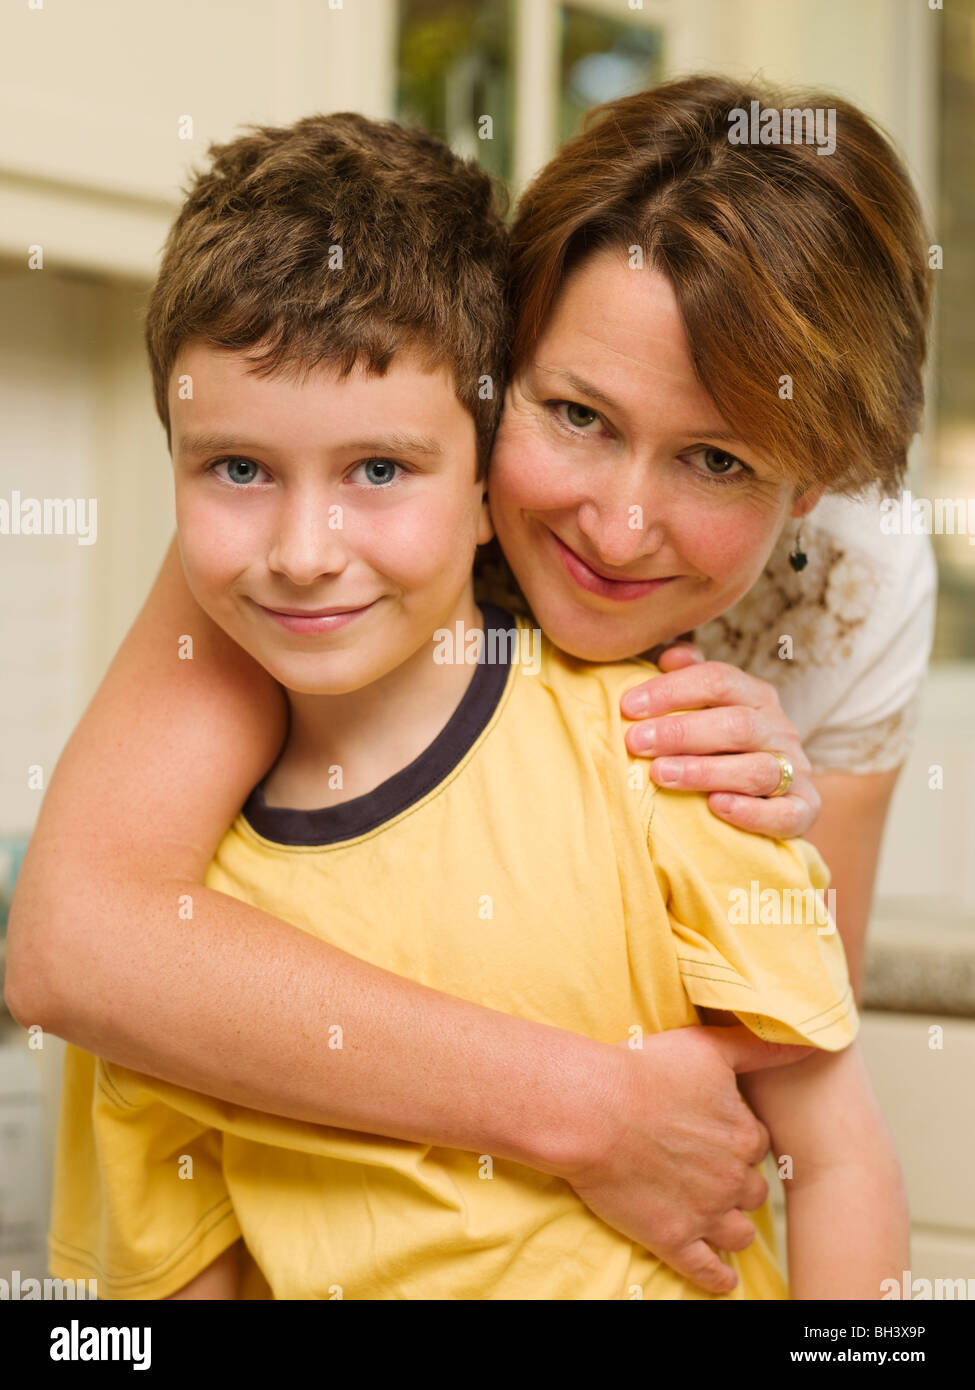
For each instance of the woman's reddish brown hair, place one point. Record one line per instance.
(784, 262)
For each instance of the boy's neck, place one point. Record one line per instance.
(371, 733)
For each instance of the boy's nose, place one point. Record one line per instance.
(308, 541)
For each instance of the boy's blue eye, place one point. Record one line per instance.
(379, 472)
(240, 470)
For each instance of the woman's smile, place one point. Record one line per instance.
(622, 590)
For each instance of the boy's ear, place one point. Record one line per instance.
(485, 527)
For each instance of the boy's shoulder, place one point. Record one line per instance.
(680, 823)
(586, 696)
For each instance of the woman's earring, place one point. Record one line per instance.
(798, 559)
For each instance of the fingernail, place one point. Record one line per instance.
(722, 801)
(636, 702)
(644, 739)
(666, 772)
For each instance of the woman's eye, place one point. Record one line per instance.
(580, 417)
(240, 471)
(378, 472)
(719, 464)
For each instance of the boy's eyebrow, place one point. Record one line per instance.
(398, 442)
(394, 442)
(205, 443)
(586, 388)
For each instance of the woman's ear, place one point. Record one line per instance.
(805, 501)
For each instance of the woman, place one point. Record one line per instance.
(617, 504)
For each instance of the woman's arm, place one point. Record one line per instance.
(234, 1003)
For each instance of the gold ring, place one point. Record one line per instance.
(788, 773)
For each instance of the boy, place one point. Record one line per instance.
(327, 338)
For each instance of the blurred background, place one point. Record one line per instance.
(105, 108)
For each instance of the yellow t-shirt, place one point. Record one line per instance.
(526, 862)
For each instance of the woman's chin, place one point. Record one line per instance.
(590, 635)
(591, 641)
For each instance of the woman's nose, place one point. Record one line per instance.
(622, 524)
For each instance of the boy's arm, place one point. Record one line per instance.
(846, 1208)
(220, 1280)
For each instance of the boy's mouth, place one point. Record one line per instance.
(314, 620)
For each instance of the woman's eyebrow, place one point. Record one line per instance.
(578, 383)
(719, 434)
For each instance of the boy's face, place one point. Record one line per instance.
(328, 526)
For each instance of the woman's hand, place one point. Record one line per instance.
(673, 1147)
(723, 743)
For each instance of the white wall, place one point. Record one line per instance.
(47, 403)
(927, 866)
(78, 423)
(91, 156)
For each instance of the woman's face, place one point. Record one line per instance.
(626, 510)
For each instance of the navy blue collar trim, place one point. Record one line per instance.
(333, 824)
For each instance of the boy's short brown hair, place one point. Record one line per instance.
(339, 240)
